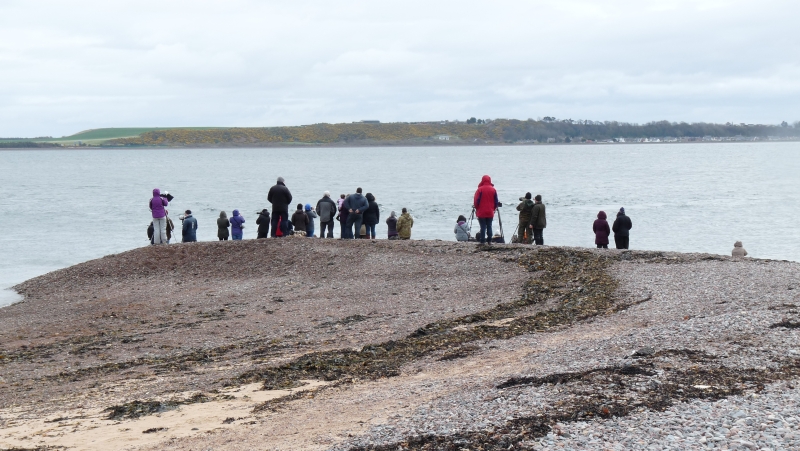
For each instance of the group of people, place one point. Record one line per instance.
(357, 214)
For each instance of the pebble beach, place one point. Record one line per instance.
(378, 345)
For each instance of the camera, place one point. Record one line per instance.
(168, 196)
(499, 204)
(181, 217)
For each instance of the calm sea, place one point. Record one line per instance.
(61, 207)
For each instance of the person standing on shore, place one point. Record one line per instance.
(157, 204)
(391, 223)
(404, 225)
(170, 226)
(738, 251)
(622, 229)
(372, 216)
(237, 226)
(355, 204)
(601, 231)
(222, 226)
(189, 228)
(342, 217)
(538, 221)
(310, 215)
(280, 197)
(485, 203)
(462, 229)
(326, 209)
(263, 224)
(525, 208)
(300, 220)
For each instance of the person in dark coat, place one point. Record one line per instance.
(299, 219)
(538, 220)
(280, 197)
(622, 229)
(263, 224)
(170, 226)
(222, 226)
(391, 223)
(189, 227)
(310, 216)
(343, 214)
(485, 203)
(326, 209)
(150, 232)
(525, 207)
(355, 204)
(601, 231)
(372, 216)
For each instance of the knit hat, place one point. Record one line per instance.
(281, 180)
(622, 210)
(393, 214)
(308, 207)
(527, 195)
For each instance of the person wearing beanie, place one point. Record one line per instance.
(601, 231)
(280, 197)
(738, 251)
(189, 231)
(326, 209)
(391, 223)
(622, 229)
(525, 208)
(222, 226)
(310, 215)
(538, 220)
(404, 225)
(372, 216)
(263, 222)
(237, 226)
(462, 229)
(299, 219)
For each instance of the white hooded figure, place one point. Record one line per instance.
(738, 250)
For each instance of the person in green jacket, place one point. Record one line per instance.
(404, 224)
(538, 221)
(525, 208)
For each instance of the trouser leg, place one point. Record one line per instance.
(618, 242)
(538, 236)
(489, 234)
(160, 231)
(482, 231)
(351, 219)
(357, 222)
(626, 241)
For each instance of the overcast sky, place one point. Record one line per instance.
(71, 66)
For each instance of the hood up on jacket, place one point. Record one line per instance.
(370, 197)
(223, 215)
(737, 244)
(393, 214)
(485, 180)
(156, 192)
(235, 212)
(601, 215)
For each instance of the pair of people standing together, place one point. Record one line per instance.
(621, 228)
(532, 218)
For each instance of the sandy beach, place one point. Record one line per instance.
(307, 344)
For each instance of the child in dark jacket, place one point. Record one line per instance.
(601, 231)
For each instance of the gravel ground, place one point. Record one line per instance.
(696, 351)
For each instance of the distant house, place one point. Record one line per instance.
(551, 140)
(370, 122)
(443, 137)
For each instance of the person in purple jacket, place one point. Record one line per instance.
(157, 204)
(601, 231)
(237, 224)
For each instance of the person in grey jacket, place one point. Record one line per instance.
(326, 209)
(462, 229)
(355, 204)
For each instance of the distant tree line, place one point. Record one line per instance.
(25, 145)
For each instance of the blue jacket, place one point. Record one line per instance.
(356, 202)
(236, 222)
(189, 229)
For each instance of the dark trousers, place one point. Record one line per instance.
(354, 219)
(524, 233)
(621, 241)
(486, 230)
(538, 236)
(274, 221)
(602, 246)
(329, 226)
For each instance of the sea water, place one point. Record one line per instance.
(62, 207)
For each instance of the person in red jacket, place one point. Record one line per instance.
(485, 204)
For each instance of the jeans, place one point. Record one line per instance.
(160, 230)
(323, 226)
(538, 238)
(236, 236)
(354, 219)
(486, 230)
(622, 241)
(371, 231)
(274, 221)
